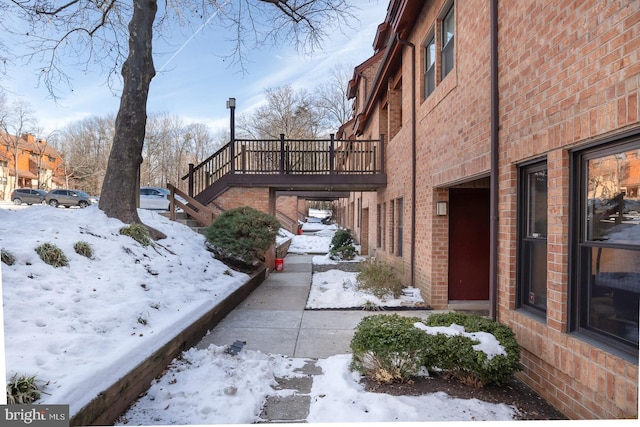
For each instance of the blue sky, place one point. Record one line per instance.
(194, 82)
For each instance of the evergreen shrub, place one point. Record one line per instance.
(390, 348)
(472, 366)
(342, 247)
(241, 236)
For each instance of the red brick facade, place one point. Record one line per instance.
(567, 84)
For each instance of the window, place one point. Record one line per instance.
(607, 268)
(379, 226)
(532, 258)
(430, 67)
(384, 225)
(448, 32)
(392, 228)
(400, 207)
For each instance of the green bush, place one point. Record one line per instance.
(379, 279)
(341, 247)
(241, 236)
(473, 366)
(137, 232)
(22, 390)
(7, 257)
(52, 255)
(389, 348)
(84, 249)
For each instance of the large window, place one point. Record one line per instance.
(448, 33)
(607, 272)
(533, 237)
(430, 67)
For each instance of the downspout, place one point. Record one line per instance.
(413, 155)
(495, 122)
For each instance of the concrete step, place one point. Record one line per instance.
(292, 408)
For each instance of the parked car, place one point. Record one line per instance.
(156, 198)
(28, 196)
(68, 198)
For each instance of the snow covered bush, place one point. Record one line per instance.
(341, 247)
(388, 348)
(463, 356)
(52, 255)
(241, 236)
(475, 350)
(379, 279)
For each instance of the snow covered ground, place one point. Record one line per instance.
(79, 328)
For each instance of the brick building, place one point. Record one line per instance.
(513, 165)
(38, 164)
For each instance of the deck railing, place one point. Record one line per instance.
(287, 156)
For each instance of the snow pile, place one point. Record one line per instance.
(338, 396)
(81, 327)
(210, 386)
(339, 289)
(316, 243)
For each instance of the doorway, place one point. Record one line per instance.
(469, 244)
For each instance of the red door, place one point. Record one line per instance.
(469, 243)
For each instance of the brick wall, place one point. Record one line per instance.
(569, 75)
(257, 198)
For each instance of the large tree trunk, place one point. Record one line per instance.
(118, 198)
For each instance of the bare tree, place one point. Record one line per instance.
(95, 30)
(331, 97)
(85, 147)
(201, 144)
(287, 111)
(16, 122)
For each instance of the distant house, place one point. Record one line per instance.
(38, 164)
(512, 158)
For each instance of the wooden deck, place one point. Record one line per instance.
(290, 165)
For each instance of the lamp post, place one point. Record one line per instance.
(231, 105)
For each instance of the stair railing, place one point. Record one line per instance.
(288, 156)
(192, 207)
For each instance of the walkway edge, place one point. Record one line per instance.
(105, 408)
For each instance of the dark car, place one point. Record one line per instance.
(28, 196)
(68, 198)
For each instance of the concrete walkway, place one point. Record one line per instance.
(273, 320)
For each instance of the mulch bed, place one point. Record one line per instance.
(516, 393)
(530, 405)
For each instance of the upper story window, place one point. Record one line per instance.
(448, 33)
(430, 67)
